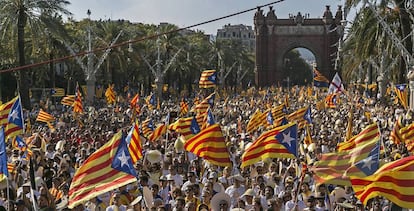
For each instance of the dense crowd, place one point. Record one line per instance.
(179, 180)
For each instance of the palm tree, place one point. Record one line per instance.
(397, 16)
(32, 15)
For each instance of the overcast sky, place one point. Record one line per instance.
(189, 12)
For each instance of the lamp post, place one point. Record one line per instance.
(90, 73)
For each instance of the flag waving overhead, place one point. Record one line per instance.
(208, 79)
(393, 181)
(205, 104)
(319, 80)
(280, 142)
(134, 143)
(15, 121)
(254, 122)
(106, 169)
(5, 111)
(68, 100)
(4, 173)
(210, 145)
(77, 105)
(43, 116)
(401, 91)
(110, 94)
(336, 85)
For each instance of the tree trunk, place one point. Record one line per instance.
(405, 29)
(22, 81)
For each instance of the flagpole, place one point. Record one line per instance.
(167, 122)
(33, 183)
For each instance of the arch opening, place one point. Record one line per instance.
(297, 67)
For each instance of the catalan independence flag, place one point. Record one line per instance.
(393, 181)
(205, 104)
(160, 130)
(210, 145)
(108, 168)
(110, 94)
(147, 128)
(407, 134)
(5, 110)
(395, 135)
(401, 91)
(134, 143)
(15, 121)
(57, 92)
(302, 116)
(183, 107)
(208, 79)
(319, 80)
(4, 173)
(331, 100)
(77, 105)
(151, 102)
(367, 134)
(280, 142)
(43, 116)
(337, 167)
(68, 100)
(255, 121)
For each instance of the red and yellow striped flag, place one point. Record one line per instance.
(5, 110)
(68, 100)
(110, 94)
(366, 135)
(183, 107)
(135, 144)
(208, 79)
(280, 142)
(210, 145)
(392, 181)
(158, 132)
(205, 104)
(77, 105)
(395, 134)
(43, 116)
(147, 128)
(255, 121)
(106, 169)
(401, 91)
(407, 134)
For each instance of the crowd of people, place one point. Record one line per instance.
(170, 178)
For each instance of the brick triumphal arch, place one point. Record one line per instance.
(275, 37)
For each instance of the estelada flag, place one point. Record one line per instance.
(68, 100)
(108, 168)
(392, 181)
(43, 116)
(5, 110)
(208, 79)
(134, 143)
(280, 142)
(210, 145)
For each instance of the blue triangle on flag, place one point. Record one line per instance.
(370, 164)
(308, 116)
(16, 115)
(195, 128)
(289, 139)
(122, 160)
(269, 118)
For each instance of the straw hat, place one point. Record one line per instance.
(219, 198)
(154, 156)
(249, 192)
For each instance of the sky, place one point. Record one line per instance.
(185, 13)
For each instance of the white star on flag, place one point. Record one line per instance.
(287, 139)
(124, 159)
(14, 115)
(368, 162)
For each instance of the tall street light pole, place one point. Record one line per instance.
(90, 73)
